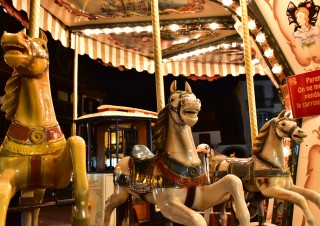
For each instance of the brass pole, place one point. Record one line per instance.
(34, 19)
(26, 217)
(249, 73)
(157, 54)
(75, 84)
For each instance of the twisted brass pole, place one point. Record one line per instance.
(75, 85)
(34, 19)
(249, 73)
(157, 55)
(33, 32)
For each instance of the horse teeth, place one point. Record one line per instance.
(15, 52)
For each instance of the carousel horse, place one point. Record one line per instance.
(173, 178)
(34, 154)
(266, 173)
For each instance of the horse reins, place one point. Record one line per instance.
(275, 126)
(177, 109)
(267, 162)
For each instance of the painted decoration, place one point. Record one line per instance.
(295, 25)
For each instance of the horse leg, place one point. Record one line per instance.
(80, 211)
(176, 211)
(220, 192)
(119, 196)
(261, 217)
(32, 217)
(308, 194)
(290, 196)
(38, 195)
(223, 214)
(235, 188)
(7, 190)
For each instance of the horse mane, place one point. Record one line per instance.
(261, 138)
(11, 97)
(160, 130)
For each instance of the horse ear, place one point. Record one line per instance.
(287, 114)
(173, 86)
(282, 114)
(43, 36)
(187, 87)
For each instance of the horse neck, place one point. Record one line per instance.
(35, 107)
(180, 144)
(273, 149)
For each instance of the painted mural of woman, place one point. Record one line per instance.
(304, 16)
(302, 32)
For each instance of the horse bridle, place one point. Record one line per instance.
(177, 109)
(38, 53)
(289, 133)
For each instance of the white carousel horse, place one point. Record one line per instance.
(266, 172)
(174, 178)
(35, 155)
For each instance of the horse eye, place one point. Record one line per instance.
(283, 124)
(43, 46)
(171, 99)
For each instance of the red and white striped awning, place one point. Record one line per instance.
(129, 59)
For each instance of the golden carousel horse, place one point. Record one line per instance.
(174, 178)
(35, 155)
(266, 172)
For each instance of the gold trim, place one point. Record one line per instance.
(11, 148)
(37, 136)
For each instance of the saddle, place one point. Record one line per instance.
(174, 175)
(242, 168)
(141, 164)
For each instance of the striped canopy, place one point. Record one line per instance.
(70, 20)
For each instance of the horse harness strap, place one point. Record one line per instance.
(275, 170)
(191, 193)
(179, 174)
(29, 135)
(289, 133)
(22, 140)
(246, 172)
(174, 175)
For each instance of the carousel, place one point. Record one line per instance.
(121, 157)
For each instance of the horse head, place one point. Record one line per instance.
(184, 105)
(286, 127)
(27, 56)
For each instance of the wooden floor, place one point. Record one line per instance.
(49, 216)
(54, 216)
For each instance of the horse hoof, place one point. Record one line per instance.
(80, 222)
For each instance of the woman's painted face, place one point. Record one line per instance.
(301, 18)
